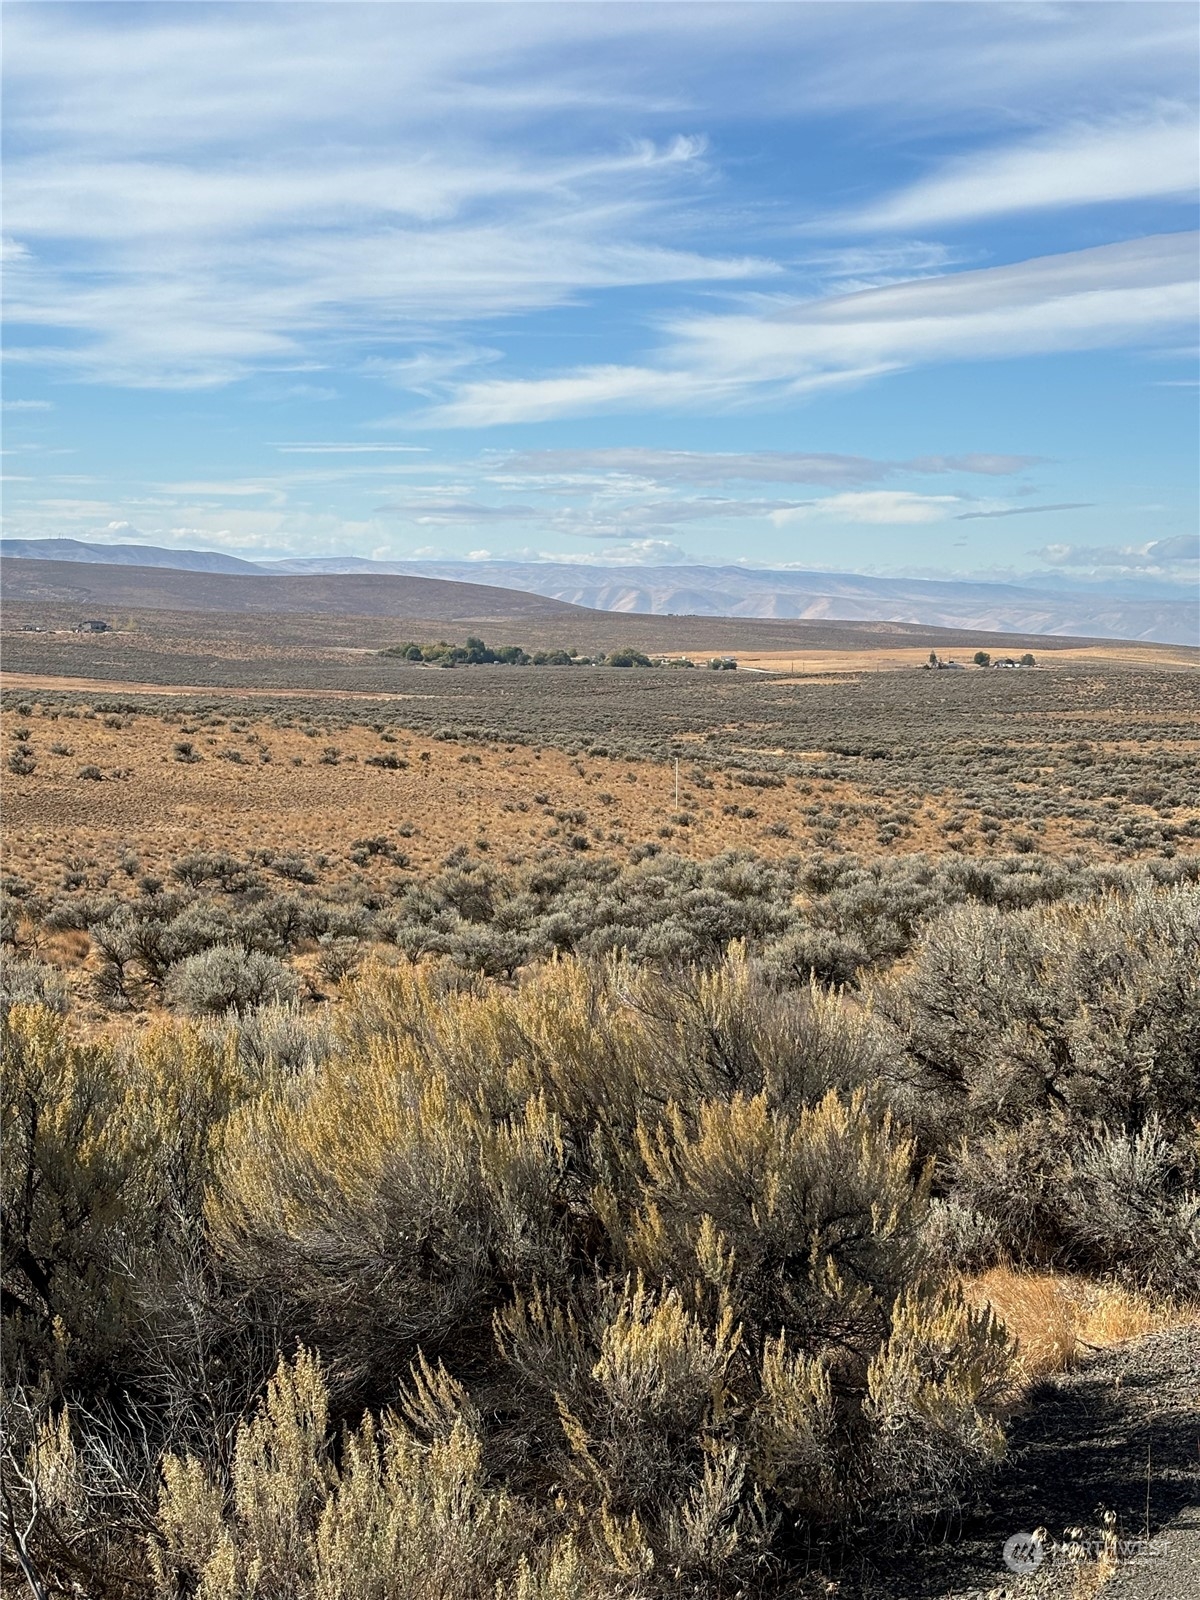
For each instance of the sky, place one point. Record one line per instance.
(880, 288)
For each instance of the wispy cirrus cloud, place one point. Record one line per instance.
(170, 258)
(1110, 295)
(1072, 166)
(430, 512)
(184, 317)
(1024, 511)
(611, 517)
(590, 212)
(757, 466)
(198, 193)
(897, 507)
(620, 520)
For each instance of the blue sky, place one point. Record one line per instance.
(884, 288)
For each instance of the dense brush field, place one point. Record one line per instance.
(596, 1220)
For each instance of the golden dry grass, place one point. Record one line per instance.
(888, 658)
(511, 801)
(1057, 1318)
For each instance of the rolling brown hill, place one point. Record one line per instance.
(322, 631)
(338, 609)
(99, 590)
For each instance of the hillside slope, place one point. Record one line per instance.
(126, 555)
(1151, 611)
(840, 596)
(99, 590)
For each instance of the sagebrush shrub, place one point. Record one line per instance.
(73, 1191)
(1049, 1056)
(31, 982)
(229, 978)
(584, 1275)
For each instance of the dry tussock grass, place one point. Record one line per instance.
(1057, 1318)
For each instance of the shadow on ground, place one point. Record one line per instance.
(1121, 1434)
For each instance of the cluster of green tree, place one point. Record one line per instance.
(982, 658)
(475, 653)
(612, 1277)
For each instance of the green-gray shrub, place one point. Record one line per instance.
(229, 978)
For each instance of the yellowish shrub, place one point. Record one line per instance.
(932, 1393)
(394, 1519)
(607, 1260)
(819, 1209)
(74, 1177)
(792, 1443)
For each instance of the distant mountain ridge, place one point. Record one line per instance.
(842, 597)
(127, 555)
(726, 591)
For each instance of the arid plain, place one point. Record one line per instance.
(559, 1020)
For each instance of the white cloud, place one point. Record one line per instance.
(853, 267)
(613, 519)
(1169, 557)
(758, 466)
(227, 77)
(1024, 511)
(885, 506)
(1071, 167)
(635, 553)
(990, 465)
(432, 511)
(1107, 296)
(594, 390)
(695, 466)
(196, 193)
(428, 369)
(179, 522)
(169, 256)
(28, 405)
(156, 200)
(191, 315)
(220, 488)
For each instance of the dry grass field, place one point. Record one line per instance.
(1061, 760)
(522, 767)
(805, 662)
(194, 617)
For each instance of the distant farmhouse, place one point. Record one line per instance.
(981, 658)
(93, 625)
